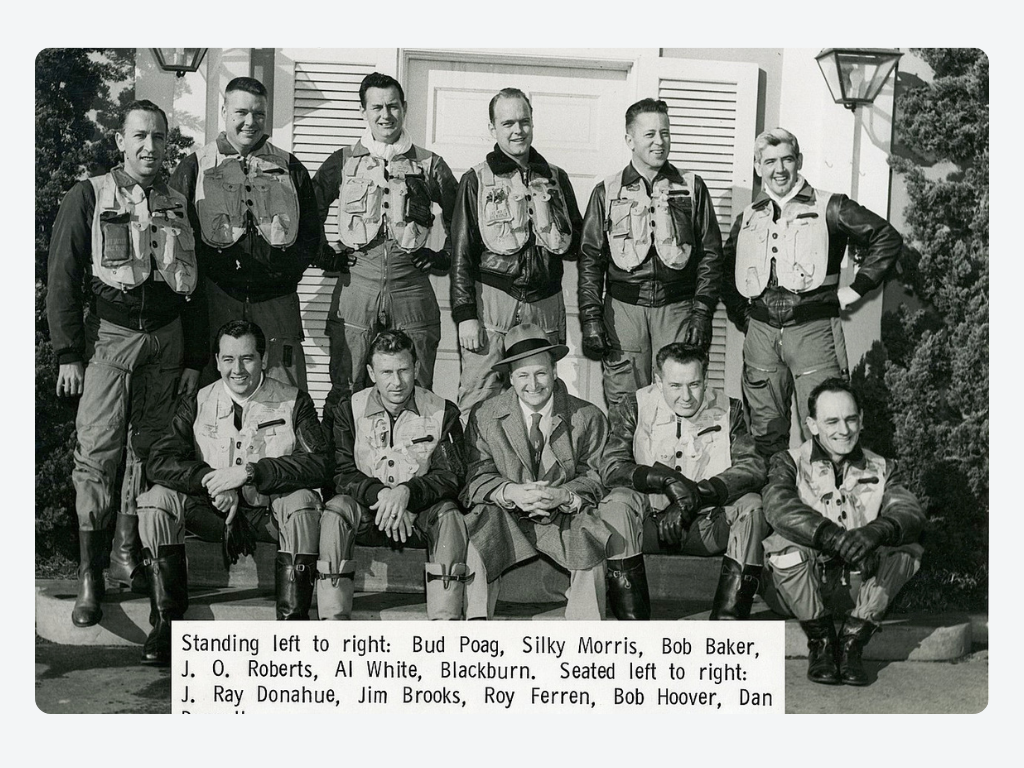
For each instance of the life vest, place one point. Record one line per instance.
(797, 243)
(373, 190)
(268, 429)
(698, 447)
(229, 188)
(857, 499)
(635, 219)
(131, 234)
(508, 209)
(394, 457)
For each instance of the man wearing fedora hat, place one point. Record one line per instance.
(533, 480)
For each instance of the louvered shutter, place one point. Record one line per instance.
(712, 111)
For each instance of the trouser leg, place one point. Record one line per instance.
(297, 516)
(896, 566)
(281, 322)
(623, 511)
(426, 340)
(793, 586)
(587, 594)
(477, 381)
(447, 573)
(627, 366)
(483, 589)
(813, 351)
(336, 570)
(767, 388)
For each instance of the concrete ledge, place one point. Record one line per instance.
(912, 637)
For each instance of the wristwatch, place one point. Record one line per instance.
(250, 473)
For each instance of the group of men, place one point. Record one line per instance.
(210, 262)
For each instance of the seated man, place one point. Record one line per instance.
(398, 468)
(238, 466)
(533, 480)
(687, 447)
(846, 535)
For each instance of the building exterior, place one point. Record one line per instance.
(719, 100)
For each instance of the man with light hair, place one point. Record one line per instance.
(782, 268)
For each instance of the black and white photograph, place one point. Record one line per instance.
(418, 334)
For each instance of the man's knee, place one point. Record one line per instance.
(344, 507)
(445, 526)
(623, 511)
(156, 500)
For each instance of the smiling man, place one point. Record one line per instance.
(255, 209)
(680, 459)
(651, 238)
(125, 237)
(845, 538)
(533, 480)
(516, 219)
(238, 466)
(386, 188)
(398, 467)
(782, 265)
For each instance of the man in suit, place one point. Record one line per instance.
(533, 480)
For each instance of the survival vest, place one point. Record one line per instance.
(131, 234)
(373, 190)
(229, 188)
(394, 457)
(635, 219)
(856, 501)
(507, 210)
(267, 429)
(797, 243)
(699, 446)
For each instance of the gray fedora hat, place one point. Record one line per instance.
(525, 340)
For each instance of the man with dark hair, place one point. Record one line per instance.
(845, 535)
(395, 210)
(533, 480)
(651, 235)
(398, 467)
(238, 466)
(516, 218)
(782, 266)
(255, 208)
(679, 455)
(123, 236)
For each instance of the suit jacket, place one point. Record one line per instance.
(498, 452)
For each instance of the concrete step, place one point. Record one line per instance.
(382, 569)
(126, 618)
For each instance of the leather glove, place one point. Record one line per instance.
(712, 494)
(670, 527)
(239, 540)
(658, 478)
(697, 328)
(853, 546)
(330, 260)
(827, 538)
(417, 202)
(427, 260)
(595, 339)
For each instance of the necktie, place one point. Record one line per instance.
(536, 442)
(237, 410)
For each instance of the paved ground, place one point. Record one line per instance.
(80, 679)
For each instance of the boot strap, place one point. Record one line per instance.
(459, 573)
(300, 568)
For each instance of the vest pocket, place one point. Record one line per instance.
(117, 246)
(496, 206)
(618, 218)
(353, 195)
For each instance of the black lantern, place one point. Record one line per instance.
(856, 75)
(179, 60)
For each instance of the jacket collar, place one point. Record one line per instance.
(225, 147)
(501, 164)
(855, 458)
(668, 171)
(374, 405)
(805, 195)
(359, 150)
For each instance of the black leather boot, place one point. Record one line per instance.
(852, 639)
(628, 595)
(168, 599)
(294, 577)
(124, 555)
(736, 589)
(91, 588)
(821, 650)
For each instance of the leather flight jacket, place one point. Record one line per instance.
(806, 490)
(511, 230)
(782, 267)
(136, 235)
(623, 250)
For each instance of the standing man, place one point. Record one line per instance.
(237, 466)
(534, 480)
(386, 187)
(516, 218)
(679, 454)
(782, 263)
(845, 535)
(398, 468)
(651, 235)
(255, 208)
(125, 237)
